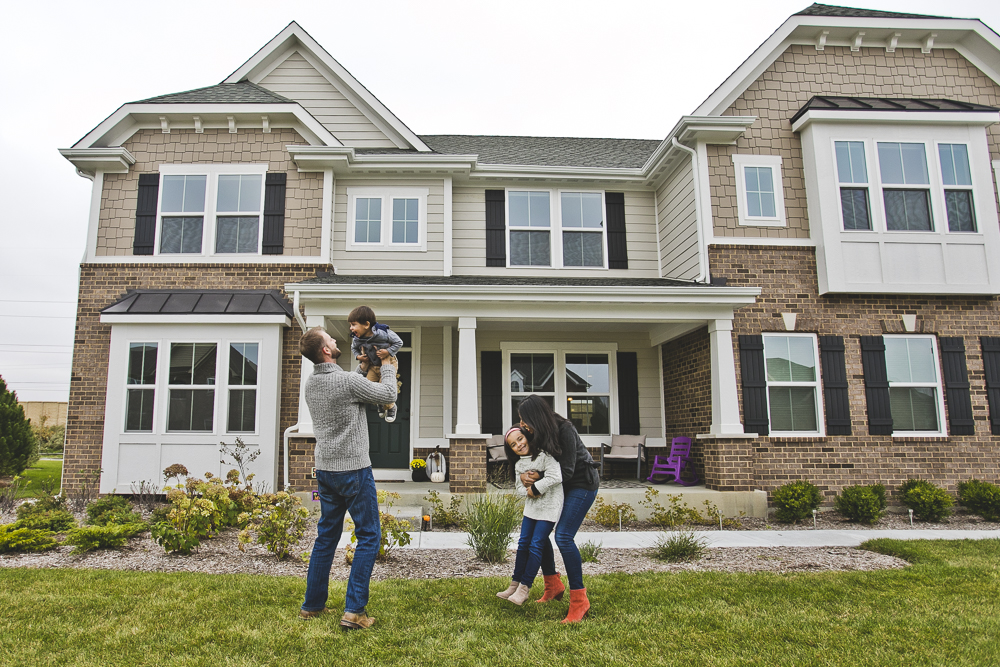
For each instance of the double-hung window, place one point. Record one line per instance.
(760, 200)
(556, 229)
(191, 387)
(956, 177)
(387, 218)
(852, 172)
(242, 388)
(210, 209)
(906, 190)
(793, 384)
(915, 396)
(141, 390)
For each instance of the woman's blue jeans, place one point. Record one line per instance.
(534, 538)
(576, 504)
(339, 492)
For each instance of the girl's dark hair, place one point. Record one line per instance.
(513, 458)
(536, 413)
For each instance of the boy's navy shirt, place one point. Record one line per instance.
(382, 338)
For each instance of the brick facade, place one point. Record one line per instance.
(467, 465)
(150, 148)
(103, 284)
(802, 72)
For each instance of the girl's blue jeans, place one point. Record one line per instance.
(576, 504)
(534, 538)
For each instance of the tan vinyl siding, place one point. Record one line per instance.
(678, 225)
(431, 383)
(296, 79)
(650, 407)
(469, 234)
(151, 148)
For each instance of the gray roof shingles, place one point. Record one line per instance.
(201, 302)
(835, 103)
(243, 92)
(833, 10)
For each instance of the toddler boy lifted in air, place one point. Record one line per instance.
(376, 343)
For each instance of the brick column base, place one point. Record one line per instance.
(467, 465)
(729, 464)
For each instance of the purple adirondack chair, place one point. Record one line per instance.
(673, 464)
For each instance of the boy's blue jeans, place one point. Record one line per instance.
(534, 535)
(576, 504)
(339, 492)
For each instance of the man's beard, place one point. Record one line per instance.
(335, 354)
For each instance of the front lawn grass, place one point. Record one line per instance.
(944, 610)
(36, 474)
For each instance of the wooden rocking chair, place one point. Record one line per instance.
(673, 464)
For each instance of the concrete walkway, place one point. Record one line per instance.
(723, 539)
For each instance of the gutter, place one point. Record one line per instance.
(298, 314)
(703, 276)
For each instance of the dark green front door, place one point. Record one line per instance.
(390, 443)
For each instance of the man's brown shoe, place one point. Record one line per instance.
(360, 621)
(312, 614)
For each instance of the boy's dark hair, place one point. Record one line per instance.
(362, 314)
(536, 413)
(311, 344)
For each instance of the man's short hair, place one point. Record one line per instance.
(362, 314)
(311, 344)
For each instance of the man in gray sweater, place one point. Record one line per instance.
(336, 400)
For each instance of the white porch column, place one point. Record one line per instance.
(305, 419)
(725, 404)
(468, 401)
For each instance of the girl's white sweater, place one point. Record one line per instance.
(548, 506)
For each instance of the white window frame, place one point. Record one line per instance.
(208, 235)
(816, 384)
(773, 162)
(242, 387)
(556, 228)
(559, 350)
(214, 387)
(387, 195)
(942, 187)
(939, 385)
(129, 387)
(933, 175)
(869, 186)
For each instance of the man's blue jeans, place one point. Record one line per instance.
(534, 535)
(576, 504)
(339, 492)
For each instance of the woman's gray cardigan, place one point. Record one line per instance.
(548, 506)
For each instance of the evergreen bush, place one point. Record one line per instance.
(110, 536)
(112, 510)
(18, 448)
(928, 502)
(796, 501)
(863, 504)
(982, 498)
(15, 538)
(58, 521)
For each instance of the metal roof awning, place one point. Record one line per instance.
(201, 306)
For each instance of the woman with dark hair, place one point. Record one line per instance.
(580, 482)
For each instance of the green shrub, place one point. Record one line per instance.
(677, 514)
(982, 498)
(44, 504)
(609, 515)
(173, 540)
(864, 504)
(58, 521)
(590, 551)
(110, 536)
(796, 501)
(18, 447)
(278, 520)
(678, 546)
(112, 510)
(160, 514)
(928, 502)
(442, 517)
(490, 520)
(15, 538)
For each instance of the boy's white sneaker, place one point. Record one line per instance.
(390, 414)
(381, 412)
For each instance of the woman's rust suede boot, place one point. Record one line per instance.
(579, 605)
(553, 588)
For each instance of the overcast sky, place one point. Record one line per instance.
(587, 69)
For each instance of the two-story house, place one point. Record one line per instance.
(803, 274)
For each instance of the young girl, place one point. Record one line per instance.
(542, 507)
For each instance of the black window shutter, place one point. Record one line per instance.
(837, 401)
(991, 369)
(754, 382)
(145, 214)
(876, 385)
(956, 386)
(496, 228)
(274, 213)
(628, 393)
(617, 245)
(492, 392)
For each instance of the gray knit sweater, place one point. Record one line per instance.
(548, 506)
(336, 400)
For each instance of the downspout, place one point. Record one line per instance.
(288, 432)
(296, 426)
(298, 316)
(702, 248)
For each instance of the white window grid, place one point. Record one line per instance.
(210, 214)
(957, 186)
(936, 385)
(231, 388)
(855, 185)
(816, 384)
(130, 387)
(387, 195)
(556, 228)
(772, 162)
